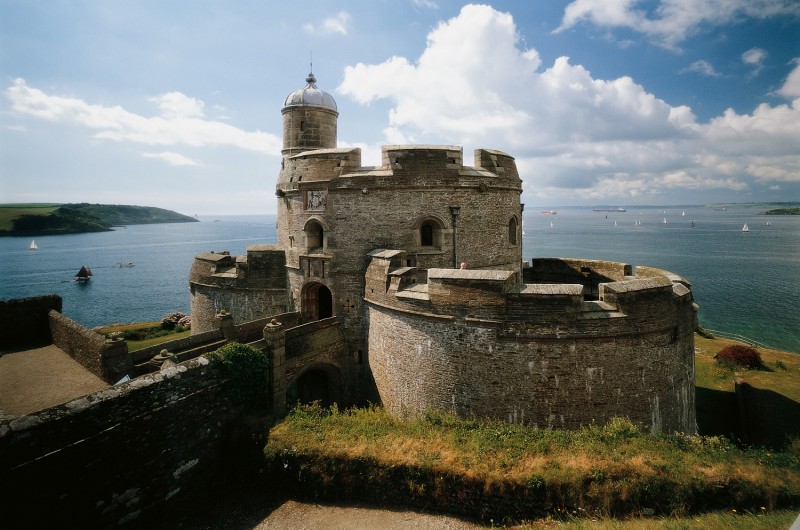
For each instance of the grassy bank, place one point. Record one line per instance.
(502, 472)
(141, 335)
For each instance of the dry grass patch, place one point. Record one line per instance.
(609, 469)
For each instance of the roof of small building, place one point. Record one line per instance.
(310, 96)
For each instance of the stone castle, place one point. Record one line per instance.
(404, 284)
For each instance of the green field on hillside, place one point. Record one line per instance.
(9, 212)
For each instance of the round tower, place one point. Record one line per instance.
(309, 119)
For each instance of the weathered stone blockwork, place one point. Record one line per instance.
(25, 321)
(538, 356)
(248, 287)
(107, 359)
(117, 456)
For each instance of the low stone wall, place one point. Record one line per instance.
(25, 322)
(118, 456)
(106, 358)
(145, 354)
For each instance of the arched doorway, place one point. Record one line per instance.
(318, 383)
(317, 302)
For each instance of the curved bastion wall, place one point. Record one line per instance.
(248, 287)
(552, 355)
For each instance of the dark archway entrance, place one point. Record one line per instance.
(317, 302)
(320, 383)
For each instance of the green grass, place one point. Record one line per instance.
(151, 330)
(9, 212)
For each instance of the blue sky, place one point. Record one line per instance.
(614, 102)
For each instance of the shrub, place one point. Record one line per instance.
(245, 371)
(740, 355)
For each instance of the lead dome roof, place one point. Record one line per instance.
(310, 95)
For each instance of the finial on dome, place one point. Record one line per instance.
(311, 78)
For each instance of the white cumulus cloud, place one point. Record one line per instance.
(671, 21)
(572, 134)
(337, 24)
(181, 121)
(173, 159)
(702, 67)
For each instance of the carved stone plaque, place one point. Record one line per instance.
(316, 200)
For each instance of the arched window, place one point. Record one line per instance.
(314, 235)
(426, 234)
(512, 231)
(430, 233)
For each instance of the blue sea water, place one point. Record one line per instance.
(746, 283)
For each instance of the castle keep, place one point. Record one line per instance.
(370, 300)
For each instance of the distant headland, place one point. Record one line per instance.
(53, 219)
(783, 211)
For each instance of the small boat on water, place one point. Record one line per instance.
(33, 245)
(767, 224)
(664, 221)
(620, 209)
(691, 224)
(745, 228)
(84, 275)
(549, 212)
(128, 264)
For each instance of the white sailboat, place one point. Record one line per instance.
(683, 213)
(745, 228)
(615, 223)
(33, 245)
(664, 221)
(523, 226)
(551, 224)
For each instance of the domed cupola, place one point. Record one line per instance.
(309, 119)
(311, 95)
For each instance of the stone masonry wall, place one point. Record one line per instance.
(107, 359)
(25, 321)
(545, 358)
(117, 456)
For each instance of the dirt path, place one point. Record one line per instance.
(293, 515)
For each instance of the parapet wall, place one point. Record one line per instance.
(106, 358)
(25, 321)
(118, 456)
(476, 343)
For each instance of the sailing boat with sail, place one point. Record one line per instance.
(33, 245)
(84, 275)
(745, 228)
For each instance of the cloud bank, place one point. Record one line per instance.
(672, 21)
(181, 122)
(574, 135)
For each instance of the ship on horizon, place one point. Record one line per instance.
(620, 209)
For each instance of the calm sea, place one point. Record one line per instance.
(747, 283)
